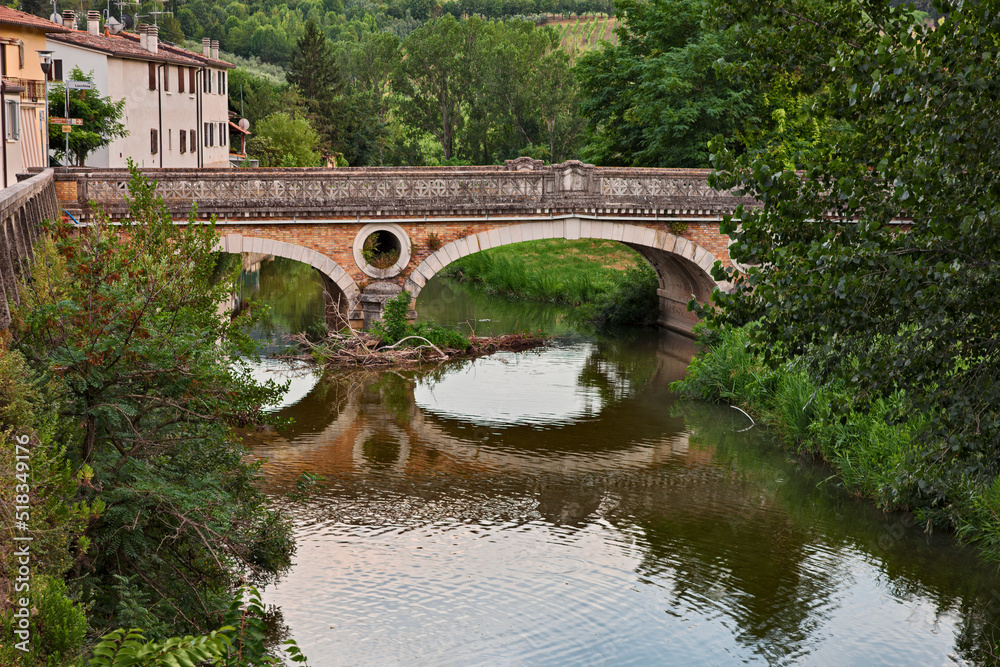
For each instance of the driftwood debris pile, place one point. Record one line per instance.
(359, 349)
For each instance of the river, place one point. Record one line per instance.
(563, 507)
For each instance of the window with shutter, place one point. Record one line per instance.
(204, 134)
(180, 79)
(154, 141)
(211, 134)
(13, 119)
(166, 78)
(55, 72)
(152, 76)
(191, 75)
(182, 140)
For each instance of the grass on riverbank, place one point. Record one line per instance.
(874, 446)
(610, 282)
(570, 272)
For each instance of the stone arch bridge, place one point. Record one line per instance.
(434, 216)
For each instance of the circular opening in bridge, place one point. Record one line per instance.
(381, 249)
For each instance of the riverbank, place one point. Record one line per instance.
(873, 444)
(607, 282)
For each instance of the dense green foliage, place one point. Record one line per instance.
(239, 642)
(101, 118)
(835, 279)
(467, 91)
(152, 512)
(656, 98)
(871, 270)
(487, 91)
(395, 327)
(282, 140)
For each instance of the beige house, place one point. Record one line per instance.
(22, 119)
(176, 102)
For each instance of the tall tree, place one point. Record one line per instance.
(101, 118)
(313, 68)
(434, 77)
(368, 64)
(874, 305)
(655, 99)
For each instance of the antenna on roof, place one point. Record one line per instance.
(55, 18)
(113, 25)
(127, 21)
(156, 12)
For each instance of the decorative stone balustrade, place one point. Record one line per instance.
(23, 206)
(521, 187)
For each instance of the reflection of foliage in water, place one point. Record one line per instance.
(617, 367)
(729, 522)
(293, 293)
(396, 392)
(381, 450)
(748, 537)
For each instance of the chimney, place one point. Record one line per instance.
(206, 47)
(94, 23)
(215, 49)
(69, 19)
(142, 37)
(152, 38)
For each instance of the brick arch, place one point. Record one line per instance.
(683, 268)
(340, 292)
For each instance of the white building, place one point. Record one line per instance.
(176, 103)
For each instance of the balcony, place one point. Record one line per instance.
(34, 89)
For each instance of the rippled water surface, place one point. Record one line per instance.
(561, 507)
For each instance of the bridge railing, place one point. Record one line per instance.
(521, 186)
(23, 206)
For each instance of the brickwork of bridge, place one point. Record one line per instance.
(436, 216)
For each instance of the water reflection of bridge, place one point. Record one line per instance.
(712, 528)
(364, 421)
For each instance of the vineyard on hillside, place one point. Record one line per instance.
(584, 33)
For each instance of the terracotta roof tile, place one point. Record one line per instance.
(125, 45)
(173, 48)
(14, 17)
(12, 87)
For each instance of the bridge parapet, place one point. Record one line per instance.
(23, 206)
(521, 187)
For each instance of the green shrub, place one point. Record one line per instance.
(395, 326)
(240, 642)
(797, 403)
(729, 372)
(58, 626)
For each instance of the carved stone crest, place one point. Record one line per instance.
(524, 163)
